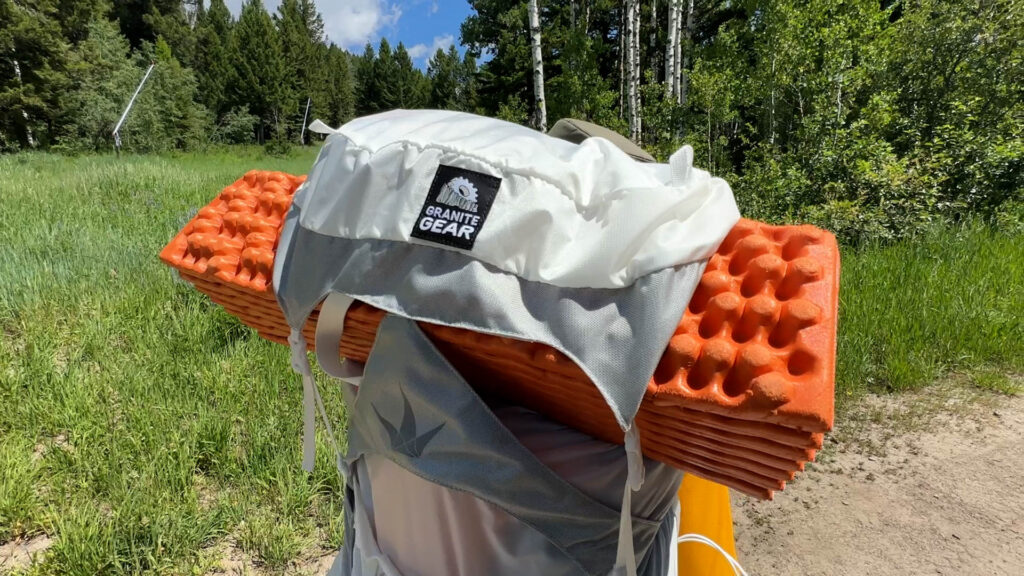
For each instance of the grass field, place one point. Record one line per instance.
(144, 430)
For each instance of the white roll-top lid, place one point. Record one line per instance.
(570, 215)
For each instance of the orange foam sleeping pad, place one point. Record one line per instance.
(741, 396)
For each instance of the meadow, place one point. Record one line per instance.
(144, 430)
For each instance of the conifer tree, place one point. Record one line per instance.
(367, 100)
(386, 77)
(467, 82)
(33, 56)
(340, 107)
(211, 61)
(409, 91)
(261, 80)
(443, 73)
(302, 41)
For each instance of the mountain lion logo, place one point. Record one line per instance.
(459, 192)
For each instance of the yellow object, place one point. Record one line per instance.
(705, 510)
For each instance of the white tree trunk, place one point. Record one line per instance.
(653, 34)
(540, 113)
(622, 63)
(670, 47)
(678, 55)
(24, 113)
(632, 39)
(684, 67)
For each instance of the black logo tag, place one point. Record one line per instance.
(456, 207)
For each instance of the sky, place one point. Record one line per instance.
(422, 25)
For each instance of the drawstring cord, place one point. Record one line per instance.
(737, 570)
(312, 403)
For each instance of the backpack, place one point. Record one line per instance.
(474, 223)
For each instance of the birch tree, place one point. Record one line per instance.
(671, 45)
(632, 42)
(540, 113)
(682, 73)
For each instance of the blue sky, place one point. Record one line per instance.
(422, 25)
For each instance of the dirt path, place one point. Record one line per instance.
(904, 489)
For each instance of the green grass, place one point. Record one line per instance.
(139, 424)
(948, 300)
(143, 429)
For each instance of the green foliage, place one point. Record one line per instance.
(514, 109)
(340, 97)
(580, 90)
(411, 87)
(876, 120)
(499, 28)
(33, 57)
(444, 79)
(367, 96)
(452, 81)
(212, 64)
(104, 79)
(235, 127)
(165, 115)
(261, 68)
(302, 41)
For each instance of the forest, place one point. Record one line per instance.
(875, 119)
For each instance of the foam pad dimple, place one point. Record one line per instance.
(758, 338)
(741, 396)
(233, 238)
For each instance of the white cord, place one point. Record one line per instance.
(737, 570)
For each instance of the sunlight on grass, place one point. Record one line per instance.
(175, 423)
(950, 299)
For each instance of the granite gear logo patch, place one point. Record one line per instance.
(456, 207)
(460, 193)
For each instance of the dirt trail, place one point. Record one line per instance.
(903, 490)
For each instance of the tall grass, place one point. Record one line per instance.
(142, 427)
(950, 299)
(139, 424)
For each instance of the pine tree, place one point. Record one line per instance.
(33, 57)
(341, 106)
(386, 77)
(409, 92)
(75, 16)
(501, 29)
(302, 41)
(467, 83)
(211, 61)
(104, 79)
(443, 72)
(261, 81)
(144, 20)
(366, 101)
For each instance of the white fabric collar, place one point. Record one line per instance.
(574, 216)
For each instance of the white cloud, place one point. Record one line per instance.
(424, 52)
(433, 7)
(353, 23)
(348, 23)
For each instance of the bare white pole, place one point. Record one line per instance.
(302, 135)
(117, 128)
